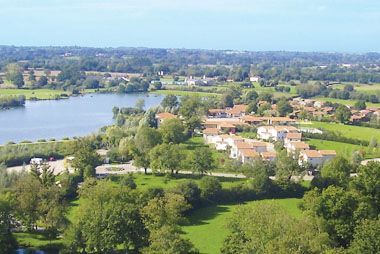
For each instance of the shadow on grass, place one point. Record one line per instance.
(202, 215)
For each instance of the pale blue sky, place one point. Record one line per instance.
(293, 25)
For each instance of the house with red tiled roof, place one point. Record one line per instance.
(248, 154)
(269, 156)
(297, 146)
(277, 133)
(237, 111)
(209, 134)
(164, 116)
(292, 137)
(316, 158)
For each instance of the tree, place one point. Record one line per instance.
(84, 155)
(172, 131)
(109, 217)
(336, 171)
(360, 105)
(166, 157)
(43, 81)
(250, 233)
(147, 138)
(226, 100)
(190, 191)
(201, 160)
(210, 188)
(14, 74)
(170, 101)
(168, 240)
(258, 171)
(192, 107)
(287, 166)
(283, 107)
(140, 104)
(366, 238)
(252, 108)
(266, 96)
(250, 96)
(7, 224)
(342, 114)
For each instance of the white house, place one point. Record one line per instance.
(254, 79)
(292, 137)
(248, 154)
(316, 158)
(238, 147)
(276, 133)
(259, 146)
(297, 145)
(209, 134)
(231, 140)
(312, 157)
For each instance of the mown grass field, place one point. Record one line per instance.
(41, 94)
(186, 93)
(342, 149)
(345, 102)
(350, 131)
(363, 88)
(206, 228)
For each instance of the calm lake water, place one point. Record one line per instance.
(76, 116)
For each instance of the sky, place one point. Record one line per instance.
(351, 26)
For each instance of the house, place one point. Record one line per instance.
(269, 156)
(209, 134)
(236, 111)
(297, 146)
(254, 79)
(276, 133)
(319, 104)
(231, 140)
(311, 157)
(278, 120)
(217, 112)
(237, 147)
(316, 158)
(327, 154)
(251, 119)
(259, 146)
(292, 137)
(248, 154)
(163, 116)
(219, 142)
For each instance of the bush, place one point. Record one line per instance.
(41, 140)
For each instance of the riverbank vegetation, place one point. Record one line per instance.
(11, 101)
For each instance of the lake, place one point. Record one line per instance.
(76, 116)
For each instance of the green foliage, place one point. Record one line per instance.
(201, 160)
(342, 114)
(226, 100)
(84, 156)
(366, 238)
(360, 105)
(166, 157)
(190, 191)
(172, 131)
(170, 101)
(259, 171)
(210, 188)
(283, 107)
(7, 224)
(12, 101)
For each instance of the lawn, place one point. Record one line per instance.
(206, 229)
(41, 94)
(186, 93)
(343, 149)
(363, 88)
(36, 240)
(350, 131)
(345, 102)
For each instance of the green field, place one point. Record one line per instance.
(343, 149)
(206, 229)
(345, 102)
(41, 94)
(363, 88)
(186, 93)
(350, 131)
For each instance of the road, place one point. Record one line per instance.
(366, 161)
(129, 168)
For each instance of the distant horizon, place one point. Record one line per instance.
(347, 26)
(206, 49)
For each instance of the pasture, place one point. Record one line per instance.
(345, 102)
(40, 94)
(350, 131)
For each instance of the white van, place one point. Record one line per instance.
(37, 161)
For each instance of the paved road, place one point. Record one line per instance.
(128, 167)
(366, 161)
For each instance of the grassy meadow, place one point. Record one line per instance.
(345, 102)
(40, 94)
(350, 131)
(207, 230)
